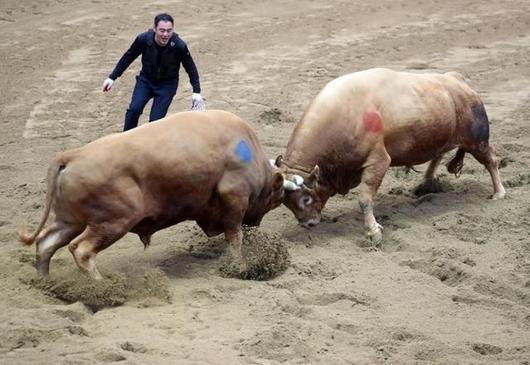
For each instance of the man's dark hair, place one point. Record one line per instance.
(163, 17)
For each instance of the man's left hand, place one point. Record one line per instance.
(197, 103)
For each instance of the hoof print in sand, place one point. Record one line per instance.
(69, 285)
(486, 349)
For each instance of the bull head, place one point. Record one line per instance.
(302, 195)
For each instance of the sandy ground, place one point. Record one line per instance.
(451, 282)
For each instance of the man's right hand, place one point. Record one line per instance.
(107, 85)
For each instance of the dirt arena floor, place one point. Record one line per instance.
(450, 283)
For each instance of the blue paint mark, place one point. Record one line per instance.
(244, 152)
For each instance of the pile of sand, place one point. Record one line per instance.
(265, 253)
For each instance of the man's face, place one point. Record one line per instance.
(163, 32)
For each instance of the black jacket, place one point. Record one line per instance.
(159, 63)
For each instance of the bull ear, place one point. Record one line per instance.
(277, 181)
(278, 161)
(315, 174)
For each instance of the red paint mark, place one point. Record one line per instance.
(372, 121)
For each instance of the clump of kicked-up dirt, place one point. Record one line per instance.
(265, 253)
(145, 288)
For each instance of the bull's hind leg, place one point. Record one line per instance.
(374, 170)
(59, 234)
(86, 246)
(430, 184)
(485, 154)
(482, 151)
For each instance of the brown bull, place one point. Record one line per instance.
(202, 166)
(362, 123)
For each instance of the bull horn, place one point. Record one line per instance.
(298, 180)
(272, 162)
(290, 186)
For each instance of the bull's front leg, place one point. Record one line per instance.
(234, 199)
(374, 170)
(235, 240)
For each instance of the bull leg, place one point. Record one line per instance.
(86, 246)
(374, 170)
(234, 198)
(233, 234)
(235, 239)
(486, 156)
(429, 184)
(82, 249)
(59, 234)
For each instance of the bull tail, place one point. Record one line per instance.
(457, 163)
(53, 172)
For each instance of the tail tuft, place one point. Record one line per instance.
(25, 237)
(457, 163)
(146, 240)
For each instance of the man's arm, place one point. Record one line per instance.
(128, 57)
(191, 69)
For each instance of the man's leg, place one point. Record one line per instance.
(163, 95)
(141, 95)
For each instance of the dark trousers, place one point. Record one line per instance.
(162, 93)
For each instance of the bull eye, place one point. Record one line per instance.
(306, 200)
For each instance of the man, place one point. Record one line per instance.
(162, 53)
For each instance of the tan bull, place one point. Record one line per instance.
(362, 123)
(202, 166)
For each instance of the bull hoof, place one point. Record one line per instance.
(43, 270)
(499, 195)
(96, 275)
(43, 276)
(429, 186)
(375, 236)
(238, 269)
(237, 263)
(241, 266)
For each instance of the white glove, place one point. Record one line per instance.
(107, 84)
(197, 103)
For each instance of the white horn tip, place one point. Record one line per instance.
(290, 186)
(298, 180)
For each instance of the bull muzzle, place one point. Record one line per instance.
(310, 222)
